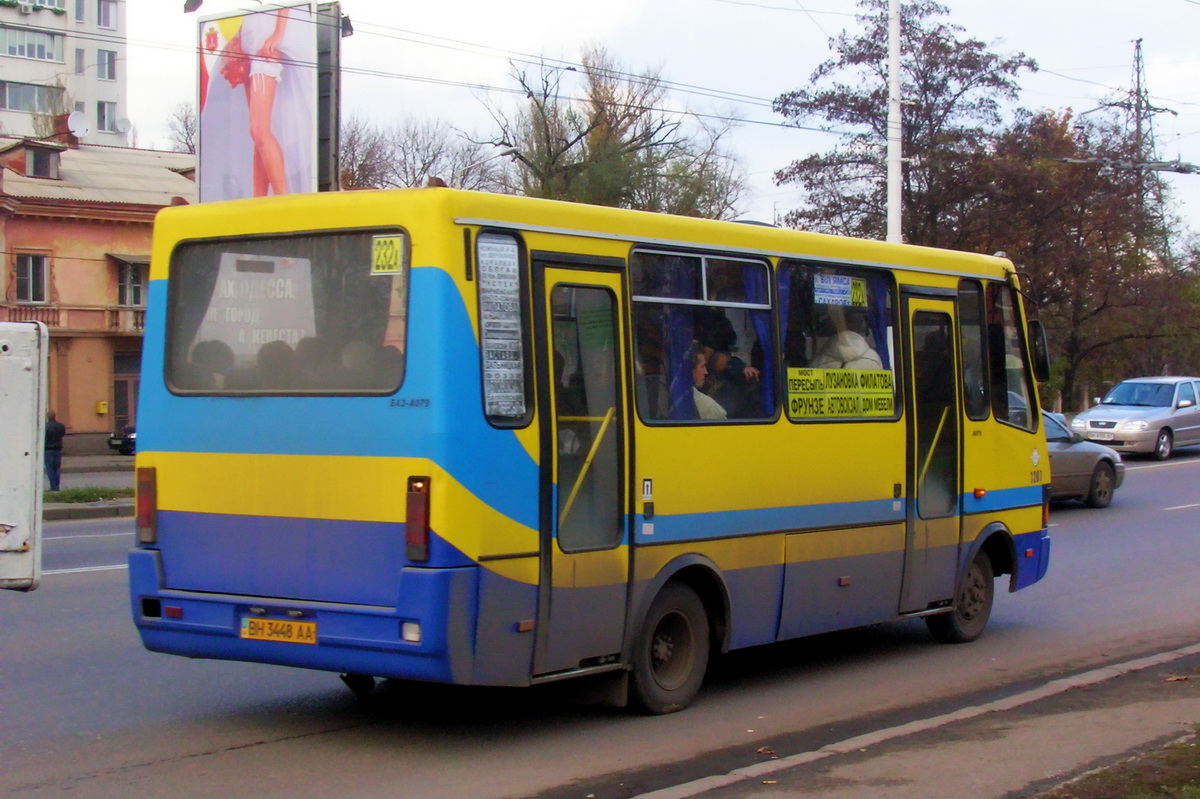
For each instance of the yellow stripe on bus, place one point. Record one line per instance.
(366, 489)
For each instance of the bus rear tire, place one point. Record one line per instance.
(972, 605)
(670, 654)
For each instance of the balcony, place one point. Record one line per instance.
(78, 318)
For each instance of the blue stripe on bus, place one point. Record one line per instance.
(1003, 499)
(442, 367)
(718, 524)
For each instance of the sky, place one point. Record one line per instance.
(451, 60)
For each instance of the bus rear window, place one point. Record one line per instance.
(289, 315)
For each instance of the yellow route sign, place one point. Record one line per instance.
(838, 393)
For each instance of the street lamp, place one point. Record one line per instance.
(507, 151)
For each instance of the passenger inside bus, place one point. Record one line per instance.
(731, 381)
(706, 406)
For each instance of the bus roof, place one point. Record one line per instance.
(411, 207)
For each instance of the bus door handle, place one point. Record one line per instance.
(587, 464)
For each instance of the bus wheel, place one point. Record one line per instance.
(1100, 492)
(671, 651)
(972, 606)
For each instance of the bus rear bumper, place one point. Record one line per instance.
(1032, 552)
(428, 636)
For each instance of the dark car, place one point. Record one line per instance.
(1080, 469)
(124, 442)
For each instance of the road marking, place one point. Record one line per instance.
(94, 535)
(1131, 467)
(87, 569)
(1184, 507)
(1052, 688)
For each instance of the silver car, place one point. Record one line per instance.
(1146, 414)
(1080, 469)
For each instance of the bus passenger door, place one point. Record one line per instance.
(584, 537)
(932, 539)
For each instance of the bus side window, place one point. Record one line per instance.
(972, 335)
(1012, 395)
(835, 320)
(693, 311)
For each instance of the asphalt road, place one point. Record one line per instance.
(87, 712)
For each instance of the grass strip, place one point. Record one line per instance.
(87, 494)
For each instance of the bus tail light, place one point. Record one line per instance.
(416, 537)
(147, 505)
(1046, 505)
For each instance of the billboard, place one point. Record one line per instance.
(258, 103)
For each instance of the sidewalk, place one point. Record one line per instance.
(1015, 747)
(84, 471)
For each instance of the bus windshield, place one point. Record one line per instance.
(287, 315)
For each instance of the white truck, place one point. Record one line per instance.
(23, 357)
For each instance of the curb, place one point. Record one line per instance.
(60, 511)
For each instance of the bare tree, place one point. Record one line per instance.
(411, 152)
(616, 144)
(183, 127)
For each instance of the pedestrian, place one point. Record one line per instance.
(55, 430)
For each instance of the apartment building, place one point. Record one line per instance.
(75, 230)
(63, 56)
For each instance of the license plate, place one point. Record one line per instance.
(1100, 436)
(285, 630)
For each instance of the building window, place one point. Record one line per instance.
(41, 163)
(131, 285)
(106, 116)
(30, 98)
(31, 277)
(80, 63)
(106, 64)
(21, 43)
(81, 10)
(106, 14)
(59, 4)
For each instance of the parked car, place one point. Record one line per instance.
(1080, 469)
(124, 442)
(1151, 415)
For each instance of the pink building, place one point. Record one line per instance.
(75, 231)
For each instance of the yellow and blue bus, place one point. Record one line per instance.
(478, 439)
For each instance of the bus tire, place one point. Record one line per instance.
(670, 654)
(1100, 491)
(972, 605)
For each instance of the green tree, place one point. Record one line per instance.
(954, 90)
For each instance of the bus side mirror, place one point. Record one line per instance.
(1041, 352)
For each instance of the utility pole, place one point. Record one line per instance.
(895, 160)
(1139, 125)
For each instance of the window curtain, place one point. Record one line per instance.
(757, 291)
